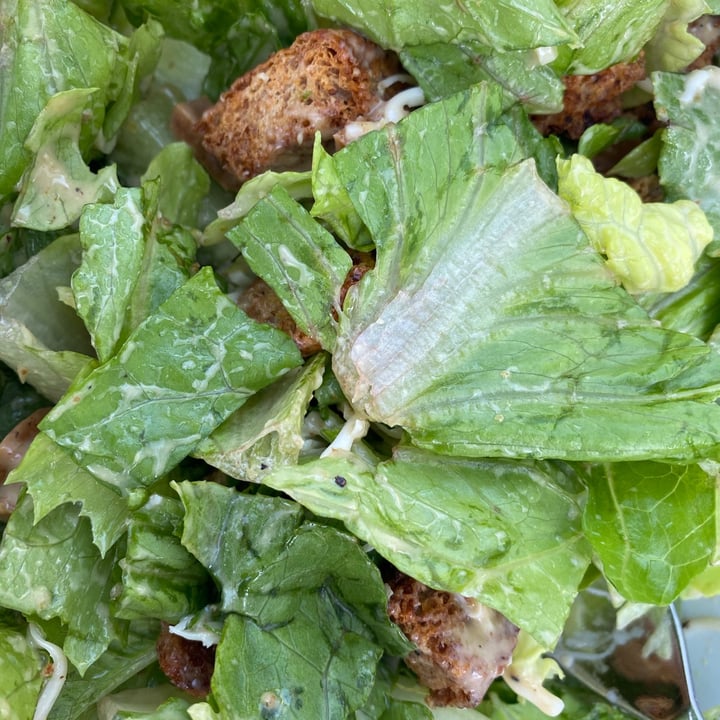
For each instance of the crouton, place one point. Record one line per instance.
(591, 99)
(461, 645)
(268, 118)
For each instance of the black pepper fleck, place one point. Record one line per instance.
(340, 481)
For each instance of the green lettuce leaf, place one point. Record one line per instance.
(266, 431)
(21, 668)
(53, 478)
(506, 25)
(180, 374)
(673, 48)
(297, 185)
(649, 246)
(652, 525)
(609, 32)
(442, 69)
(298, 258)
(121, 662)
(41, 338)
(489, 329)
(59, 183)
(160, 578)
(34, 37)
(133, 260)
(689, 162)
(52, 569)
(505, 532)
(308, 608)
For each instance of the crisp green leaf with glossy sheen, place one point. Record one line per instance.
(505, 532)
(180, 374)
(161, 579)
(123, 660)
(649, 246)
(52, 569)
(504, 25)
(133, 260)
(267, 430)
(442, 69)
(41, 338)
(610, 32)
(298, 258)
(689, 162)
(40, 59)
(652, 525)
(489, 326)
(20, 668)
(53, 478)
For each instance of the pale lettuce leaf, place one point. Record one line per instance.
(181, 373)
(609, 32)
(41, 338)
(53, 478)
(58, 183)
(651, 247)
(266, 431)
(488, 325)
(21, 667)
(160, 578)
(652, 526)
(505, 25)
(673, 47)
(52, 569)
(298, 258)
(505, 532)
(689, 162)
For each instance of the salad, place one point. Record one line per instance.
(517, 395)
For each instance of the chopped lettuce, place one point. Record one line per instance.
(178, 376)
(505, 532)
(51, 569)
(689, 162)
(41, 338)
(651, 247)
(304, 264)
(300, 639)
(673, 47)
(518, 366)
(652, 526)
(21, 667)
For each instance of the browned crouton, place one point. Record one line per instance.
(462, 645)
(269, 116)
(591, 99)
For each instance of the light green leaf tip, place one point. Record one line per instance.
(651, 247)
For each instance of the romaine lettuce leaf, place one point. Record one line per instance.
(41, 58)
(52, 569)
(53, 478)
(298, 258)
(41, 338)
(505, 532)
(442, 69)
(651, 247)
(58, 183)
(160, 578)
(505, 25)
(21, 668)
(488, 326)
(180, 374)
(673, 48)
(689, 162)
(609, 32)
(133, 258)
(308, 617)
(652, 526)
(266, 431)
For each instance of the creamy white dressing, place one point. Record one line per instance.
(697, 82)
